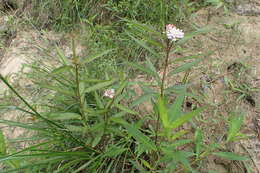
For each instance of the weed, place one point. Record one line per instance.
(89, 121)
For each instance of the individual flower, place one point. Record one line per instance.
(109, 93)
(173, 33)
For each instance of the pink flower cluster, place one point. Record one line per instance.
(173, 33)
(110, 93)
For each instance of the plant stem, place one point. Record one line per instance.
(166, 63)
(78, 93)
(81, 102)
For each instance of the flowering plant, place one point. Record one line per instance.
(173, 33)
(110, 93)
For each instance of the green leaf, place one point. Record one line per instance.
(97, 139)
(84, 166)
(178, 156)
(121, 87)
(142, 44)
(23, 125)
(150, 65)
(67, 165)
(2, 144)
(64, 116)
(34, 164)
(141, 26)
(146, 164)
(81, 88)
(230, 156)
(142, 98)
(76, 128)
(139, 136)
(62, 57)
(59, 89)
(163, 113)
(178, 89)
(139, 67)
(100, 86)
(61, 69)
(114, 151)
(31, 148)
(98, 101)
(93, 57)
(50, 154)
(189, 36)
(126, 109)
(185, 118)
(138, 166)
(178, 134)
(175, 111)
(234, 127)
(188, 57)
(185, 67)
(181, 142)
(198, 142)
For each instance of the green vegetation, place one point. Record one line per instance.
(74, 127)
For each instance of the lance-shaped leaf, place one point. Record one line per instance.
(230, 156)
(234, 127)
(135, 132)
(114, 151)
(61, 69)
(185, 67)
(144, 28)
(63, 59)
(185, 118)
(143, 44)
(63, 116)
(2, 144)
(125, 109)
(198, 142)
(163, 113)
(142, 68)
(99, 86)
(65, 91)
(93, 57)
(150, 65)
(175, 110)
(189, 36)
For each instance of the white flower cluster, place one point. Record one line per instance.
(109, 93)
(173, 33)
